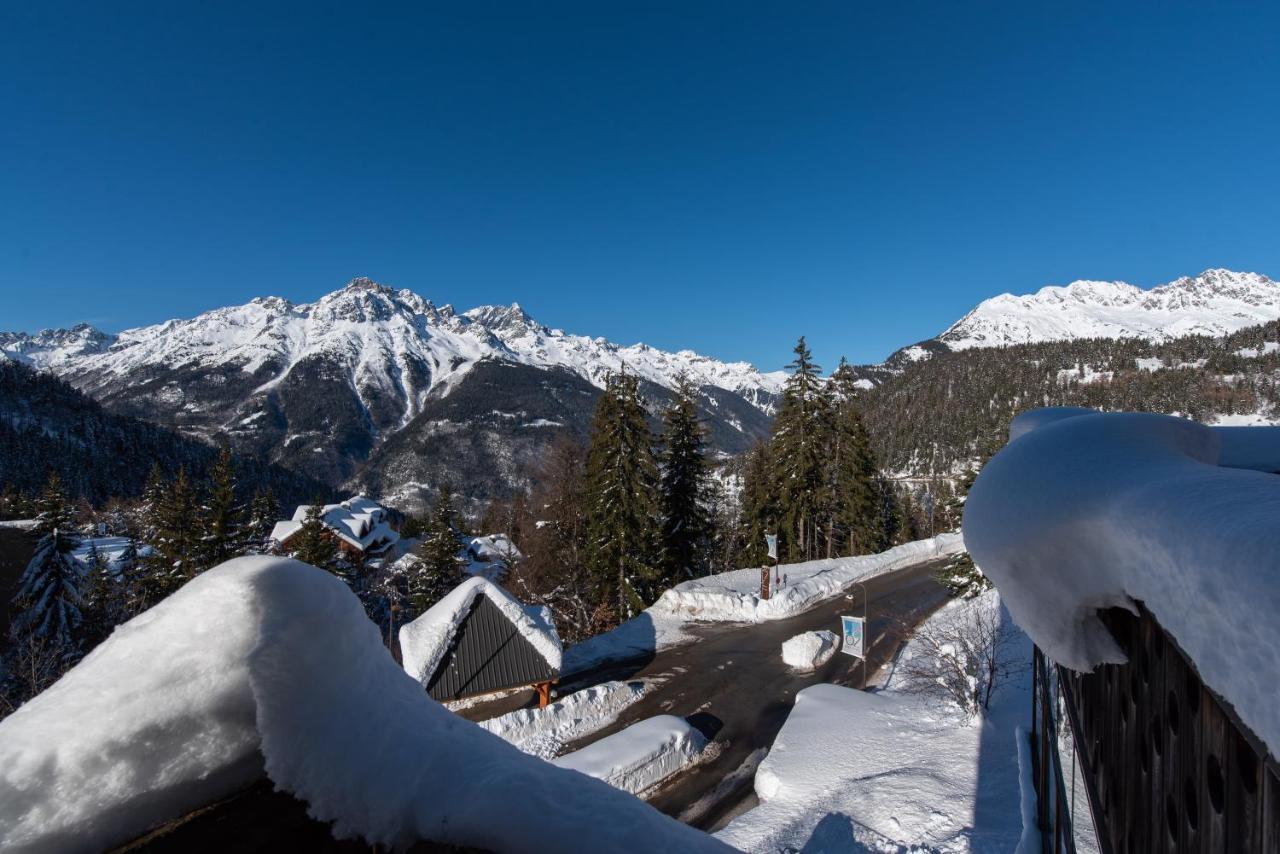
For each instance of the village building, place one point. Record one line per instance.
(478, 640)
(360, 526)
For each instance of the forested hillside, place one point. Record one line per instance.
(45, 424)
(936, 415)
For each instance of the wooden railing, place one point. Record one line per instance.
(1165, 764)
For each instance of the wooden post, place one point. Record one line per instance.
(764, 582)
(544, 694)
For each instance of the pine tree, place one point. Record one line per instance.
(102, 602)
(438, 568)
(687, 529)
(856, 523)
(48, 600)
(175, 547)
(621, 499)
(220, 515)
(314, 543)
(801, 437)
(264, 512)
(53, 511)
(962, 578)
(758, 507)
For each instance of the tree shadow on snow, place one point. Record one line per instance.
(618, 654)
(997, 818)
(832, 835)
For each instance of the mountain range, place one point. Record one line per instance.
(379, 389)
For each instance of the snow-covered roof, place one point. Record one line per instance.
(255, 665)
(1083, 511)
(360, 522)
(424, 641)
(491, 547)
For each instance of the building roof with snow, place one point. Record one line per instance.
(479, 639)
(1084, 511)
(360, 522)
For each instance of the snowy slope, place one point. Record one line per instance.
(381, 336)
(1215, 302)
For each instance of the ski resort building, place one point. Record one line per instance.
(478, 640)
(1138, 552)
(360, 526)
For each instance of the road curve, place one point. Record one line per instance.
(732, 684)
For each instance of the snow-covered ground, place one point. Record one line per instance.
(810, 650)
(266, 663)
(735, 596)
(640, 756)
(1083, 511)
(543, 732)
(891, 770)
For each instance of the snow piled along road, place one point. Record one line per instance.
(891, 770)
(734, 597)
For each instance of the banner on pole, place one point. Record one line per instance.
(854, 636)
(772, 541)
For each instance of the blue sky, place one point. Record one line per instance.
(721, 176)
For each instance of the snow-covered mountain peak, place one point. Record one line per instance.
(1215, 302)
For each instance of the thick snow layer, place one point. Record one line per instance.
(360, 522)
(640, 756)
(1214, 303)
(641, 636)
(1096, 510)
(810, 650)
(542, 732)
(890, 771)
(424, 641)
(269, 662)
(734, 596)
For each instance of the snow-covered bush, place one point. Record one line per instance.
(963, 654)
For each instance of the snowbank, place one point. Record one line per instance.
(424, 641)
(267, 662)
(1093, 510)
(641, 636)
(734, 596)
(891, 770)
(640, 756)
(542, 732)
(810, 650)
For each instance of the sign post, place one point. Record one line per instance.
(771, 541)
(854, 635)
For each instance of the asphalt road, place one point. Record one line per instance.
(732, 684)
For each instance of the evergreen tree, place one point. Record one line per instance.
(856, 523)
(685, 489)
(102, 601)
(48, 600)
(438, 568)
(220, 514)
(176, 549)
(54, 512)
(621, 501)
(264, 512)
(801, 438)
(758, 509)
(962, 578)
(314, 543)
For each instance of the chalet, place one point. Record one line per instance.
(477, 640)
(360, 525)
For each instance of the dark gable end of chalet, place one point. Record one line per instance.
(488, 654)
